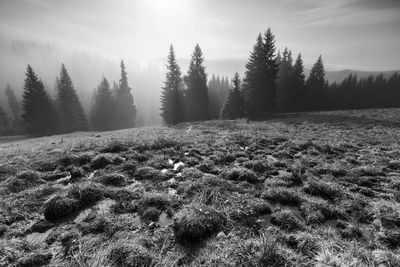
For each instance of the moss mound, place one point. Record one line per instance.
(60, 207)
(197, 222)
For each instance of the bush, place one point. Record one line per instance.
(112, 179)
(197, 222)
(286, 220)
(130, 254)
(60, 207)
(240, 174)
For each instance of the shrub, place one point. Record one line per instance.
(60, 207)
(197, 222)
(286, 220)
(240, 174)
(112, 179)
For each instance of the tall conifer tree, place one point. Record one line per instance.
(261, 76)
(38, 112)
(315, 86)
(125, 109)
(285, 95)
(172, 108)
(298, 83)
(72, 116)
(197, 92)
(102, 112)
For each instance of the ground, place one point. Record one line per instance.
(311, 189)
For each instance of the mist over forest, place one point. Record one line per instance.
(87, 69)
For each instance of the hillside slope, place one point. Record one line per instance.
(311, 189)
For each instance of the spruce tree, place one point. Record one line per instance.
(72, 116)
(197, 92)
(261, 76)
(285, 89)
(38, 112)
(298, 83)
(102, 112)
(172, 108)
(234, 106)
(125, 109)
(15, 108)
(315, 86)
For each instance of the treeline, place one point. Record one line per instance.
(39, 114)
(273, 82)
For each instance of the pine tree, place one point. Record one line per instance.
(315, 86)
(261, 76)
(15, 108)
(298, 84)
(38, 112)
(72, 117)
(285, 89)
(197, 92)
(172, 108)
(102, 112)
(234, 106)
(125, 109)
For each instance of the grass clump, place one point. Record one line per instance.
(23, 181)
(103, 160)
(35, 259)
(60, 207)
(316, 212)
(147, 173)
(194, 223)
(240, 174)
(286, 220)
(88, 194)
(126, 253)
(150, 214)
(323, 189)
(112, 179)
(114, 147)
(191, 173)
(283, 196)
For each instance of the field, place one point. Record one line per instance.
(312, 189)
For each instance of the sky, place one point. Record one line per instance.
(91, 36)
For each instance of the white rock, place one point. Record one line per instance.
(178, 166)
